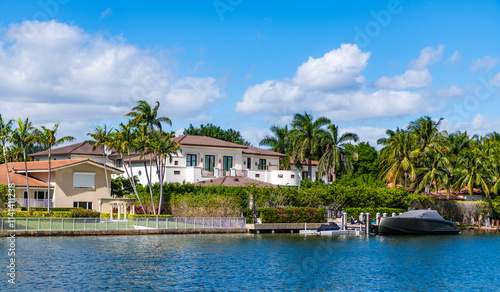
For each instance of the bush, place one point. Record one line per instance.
(84, 213)
(292, 215)
(33, 213)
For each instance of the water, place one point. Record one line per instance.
(245, 262)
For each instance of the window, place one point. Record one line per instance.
(25, 195)
(40, 195)
(191, 160)
(118, 163)
(227, 163)
(249, 162)
(83, 180)
(305, 175)
(280, 176)
(210, 163)
(83, 205)
(177, 172)
(176, 162)
(262, 164)
(257, 175)
(293, 175)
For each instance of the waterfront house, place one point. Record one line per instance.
(74, 182)
(201, 158)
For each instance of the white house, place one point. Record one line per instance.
(201, 158)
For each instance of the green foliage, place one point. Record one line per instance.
(213, 131)
(121, 187)
(365, 160)
(44, 209)
(84, 213)
(292, 215)
(32, 213)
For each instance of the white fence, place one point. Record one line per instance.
(79, 224)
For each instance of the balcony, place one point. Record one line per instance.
(35, 203)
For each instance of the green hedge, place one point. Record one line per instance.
(59, 214)
(115, 215)
(292, 215)
(354, 212)
(45, 209)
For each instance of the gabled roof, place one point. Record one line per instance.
(77, 149)
(19, 179)
(193, 140)
(233, 181)
(43, 166)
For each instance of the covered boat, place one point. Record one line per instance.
(417, 222)
(331, 226)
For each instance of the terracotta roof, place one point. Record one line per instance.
(304, 162)
(193, 140)
(78, 148)
(19, 179)
(441, 195)
(259, 151)
(233, 181)
(54, 164)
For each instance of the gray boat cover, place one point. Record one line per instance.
(431, 214)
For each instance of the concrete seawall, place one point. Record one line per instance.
(22, 233)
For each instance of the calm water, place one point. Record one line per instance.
(243, 262)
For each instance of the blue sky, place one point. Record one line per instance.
(367, 65)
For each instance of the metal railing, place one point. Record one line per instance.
(79, 224)
(35, 203)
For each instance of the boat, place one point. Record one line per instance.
(331, 226)
(417, 222)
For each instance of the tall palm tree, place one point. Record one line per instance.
(305, 135)
(145, 115)
(426, 132)
(5, 131)
(436, 172)
(123, 142)
(397, 158)
(15, 153)
(279, 142)
(24, 136)
(48, 139)
(334, 156)
(101, 137)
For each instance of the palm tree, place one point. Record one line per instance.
(101, 137)
(5, 131)
(436, 173)
(305, 136)
(144, 115)
(123, 142)
(48, 139)
(279, 142)
(24, 136)
(473, 171)
(397, 158)
(426, 132)
(15, 153)
(334, 156)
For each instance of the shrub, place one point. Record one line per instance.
(83, 213)
(292, 215)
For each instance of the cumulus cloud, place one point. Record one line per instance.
(337, 69)
(487, 63)
(418, 75)
(479, 124)
(450, 91)
(52, 71)
(366, 134)
(310, 90)
(455, 58)
(106, 12)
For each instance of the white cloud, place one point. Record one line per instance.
(411, 79)
(52, 72)
(279, 99)
(495, 81)
(366, 134)
(487, 63)
(479, 124)
(455, 58)
(254, 135)
(450, 91)
(337, 69)
(418, 75)
(428, 57)
(106, 12)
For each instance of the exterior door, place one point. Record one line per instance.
(210, 163)
(227, 164)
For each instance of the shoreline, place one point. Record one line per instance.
(28, 233)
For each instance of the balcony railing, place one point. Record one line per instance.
(34, 203)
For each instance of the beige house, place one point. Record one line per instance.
(74, 182)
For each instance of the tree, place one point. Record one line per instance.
(397, 157)
(102, 138)
(216, 132)
(335, 158)
(365, 160)
(5, 131)
(123, 140)
(146, 116)
(426, 132)
(305, 135)
(279, 142)
(48, 139)
(23, 136)
(472, 171)
(436, 173)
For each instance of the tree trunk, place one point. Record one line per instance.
(6, 165)
(309, 166)
(150, 187)
(161, 171)
(131, 179)
(48, 187)
(106, 171)
(26, 172)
